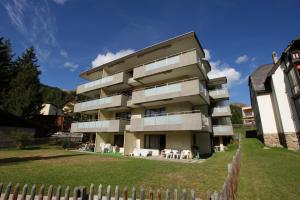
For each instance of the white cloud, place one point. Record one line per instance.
(109, 56)
(219, 69)
(64, 53)
(242, 59)
(61, 2)
(71, 66)
(207, 54)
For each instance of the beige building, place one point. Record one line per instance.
(248, 116)
(275, 98)
(157, 98)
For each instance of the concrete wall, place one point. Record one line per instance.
(286, 108)
(267, 115)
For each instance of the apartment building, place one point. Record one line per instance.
(248, 116)
(275, 98)
(156, 98)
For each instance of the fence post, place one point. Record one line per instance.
(75, 193)
(117, 193)
(24, 192)
(91, 193)
(193, 195)
(184, 194)
(124, 195)
(32, 195)
(168, 194)
(142, 194)
(100, 192)
(1, 186)
(133, 195)
(7, 192)
(175, 194)
(150, 194)
(158, 194)
(58, 193)
(83, 193)
(50, 190)
(67, 193)
(16, 192)
(41, 193)
(108, 193)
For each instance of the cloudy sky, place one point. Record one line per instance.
(73, 35)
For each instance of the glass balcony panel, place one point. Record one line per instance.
(96, 102)
(162, 120)
(93, 124)
(99, 81)
(162, 63)
(163, 89)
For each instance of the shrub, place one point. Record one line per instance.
(23, 139)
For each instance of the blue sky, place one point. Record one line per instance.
(69, 34)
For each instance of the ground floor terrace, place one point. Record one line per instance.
(171, 144)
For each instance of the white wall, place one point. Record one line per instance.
(285, 107)
(267, 115)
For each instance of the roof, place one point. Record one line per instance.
(146, 50)
(259, 77)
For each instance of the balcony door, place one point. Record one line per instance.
(119, 140)
(155, 142)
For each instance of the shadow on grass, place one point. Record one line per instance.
(13, 160)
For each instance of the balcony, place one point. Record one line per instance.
(113, 102)
(222, 130)
(116, 125)
(185, 90)
(173, 66)
(183, 121)
(221, 111)
(114, 82)
(219, 93)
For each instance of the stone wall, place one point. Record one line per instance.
(272, 140)
(292, 140)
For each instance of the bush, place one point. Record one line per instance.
(23, 139)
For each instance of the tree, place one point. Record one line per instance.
(24, 98)
(236, 117)
(7, 69)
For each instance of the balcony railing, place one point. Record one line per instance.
(114, 125)
(188, 87)
(221, 111)
(171, 62)
(219, 93)
(103, 82)
(220, 130)
(106, 102)
(189, 120)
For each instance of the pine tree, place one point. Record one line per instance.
(24, 98)
(7, 69)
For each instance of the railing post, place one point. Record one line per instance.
(50, 189)
(24, 192)
(100, 192)
(175, 194)
(32, 195)
(7, 192)
(184, 194)
(124, 194)
(58, 193)
(133, 193)
(91, 193)
(117, 193)
(142, 194)
(67, 193)
(158, 194)
(16, 192)
(168, 194)
(41, 193)
(108, 193)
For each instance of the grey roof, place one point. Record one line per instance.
(259, 76)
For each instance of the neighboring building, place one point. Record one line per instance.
(248, 116)
(156, 98)
(275, 98)
(50, 109)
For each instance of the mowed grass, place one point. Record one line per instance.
(268, 173)
(65, 168)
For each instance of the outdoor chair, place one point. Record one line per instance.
(186, 154)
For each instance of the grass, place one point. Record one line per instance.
(272, 173)
(58, 167)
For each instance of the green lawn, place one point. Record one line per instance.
(59, 167)
(268, 173)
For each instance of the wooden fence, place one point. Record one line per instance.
(228, 191)
(80, 193)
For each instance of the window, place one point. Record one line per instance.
(155, 112)
(123, 115)
(155, 142)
